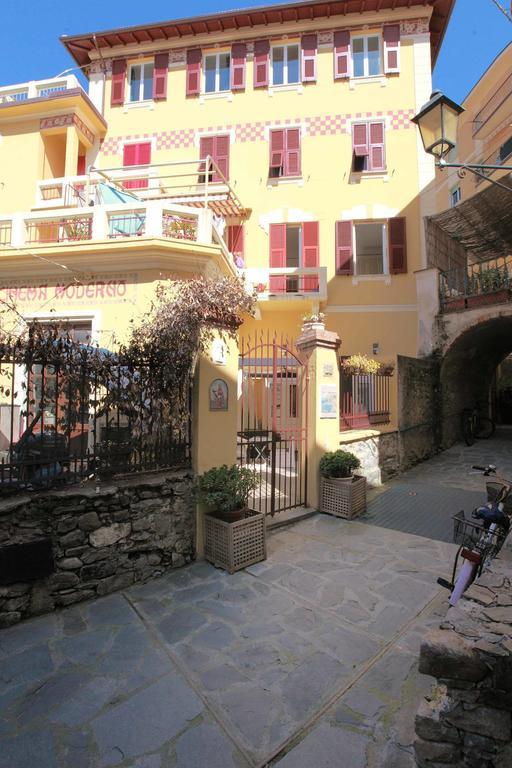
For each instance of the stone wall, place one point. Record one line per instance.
(103, 539)
(466, 722)
(379, 456)
(418, 408)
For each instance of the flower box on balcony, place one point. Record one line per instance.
(343, 497)
(484, 299)
(452, 305)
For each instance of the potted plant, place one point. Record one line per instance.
(342, 493)
(234, 534)
(313, 322)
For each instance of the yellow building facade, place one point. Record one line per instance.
(272, 143)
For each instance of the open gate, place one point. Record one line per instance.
(272, 422)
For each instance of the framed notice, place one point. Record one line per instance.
(328, 401)
(218, 395)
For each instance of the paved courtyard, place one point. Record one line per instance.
(308, 660)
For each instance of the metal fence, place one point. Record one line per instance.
(364, 400)
(482, 278)
(61, 422)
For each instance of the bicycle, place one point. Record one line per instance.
(479, 541)
(475, 426)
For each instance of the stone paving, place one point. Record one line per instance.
(308, 660)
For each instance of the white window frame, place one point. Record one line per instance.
(455, 192)
(142, 65)
(365, 39)
(385, 255)
(286, 82)
(217, 56)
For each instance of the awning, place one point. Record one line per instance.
(481, 225)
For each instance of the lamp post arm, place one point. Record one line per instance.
(477, 169)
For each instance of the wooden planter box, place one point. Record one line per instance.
(235, 545)
(341, 498)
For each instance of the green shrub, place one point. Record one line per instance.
(226, 489)
(338, 464)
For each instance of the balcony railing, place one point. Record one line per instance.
(474, 285)
(113, 221)
(288, 282)
(36, 89)
(183, 182)
(364, 400)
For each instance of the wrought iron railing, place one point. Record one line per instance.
(484, 282)
(180, 227)
(59, 230)
(364, 400)
(66, 421)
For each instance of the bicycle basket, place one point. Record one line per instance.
(493, 489)
(472, 534)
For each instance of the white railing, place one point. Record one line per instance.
(36, 88)
(287, 282)
(113, 221)
(183, 181)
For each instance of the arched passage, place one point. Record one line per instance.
(467, 370)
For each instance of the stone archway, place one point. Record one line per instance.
(475, 343)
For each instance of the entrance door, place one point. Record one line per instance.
(272, 423)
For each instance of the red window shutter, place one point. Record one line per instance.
(137, 154)
(341, 54)
(377, 159)
(310, 255)
(397, 245)
(344, 248)
(193, 71)
(160, 76)
(309, 46)
(80, 166)
(277, 284)
(261, 52)
(291, 166)
(206, 147)
(277, 148)
(221, 157)
(118, 82)
(391, 48)
(360, 139)
(235, 240)
(238, 56)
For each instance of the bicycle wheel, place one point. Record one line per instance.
(485, 428)
(468, 432)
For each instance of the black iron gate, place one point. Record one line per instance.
(272, 422)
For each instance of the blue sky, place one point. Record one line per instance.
(37, 53)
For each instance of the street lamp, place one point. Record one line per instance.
(437, 122)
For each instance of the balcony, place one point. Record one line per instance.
(497, 109)
(151, 226)
(287, 286)
(37, 89)
(476, 285)
(184, 183)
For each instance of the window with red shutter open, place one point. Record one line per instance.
(118, 82)
(193, 82)
(238, 57)
(285, 152)
(309, 47)
(294, 247)
(217, 147)
(368, 147)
